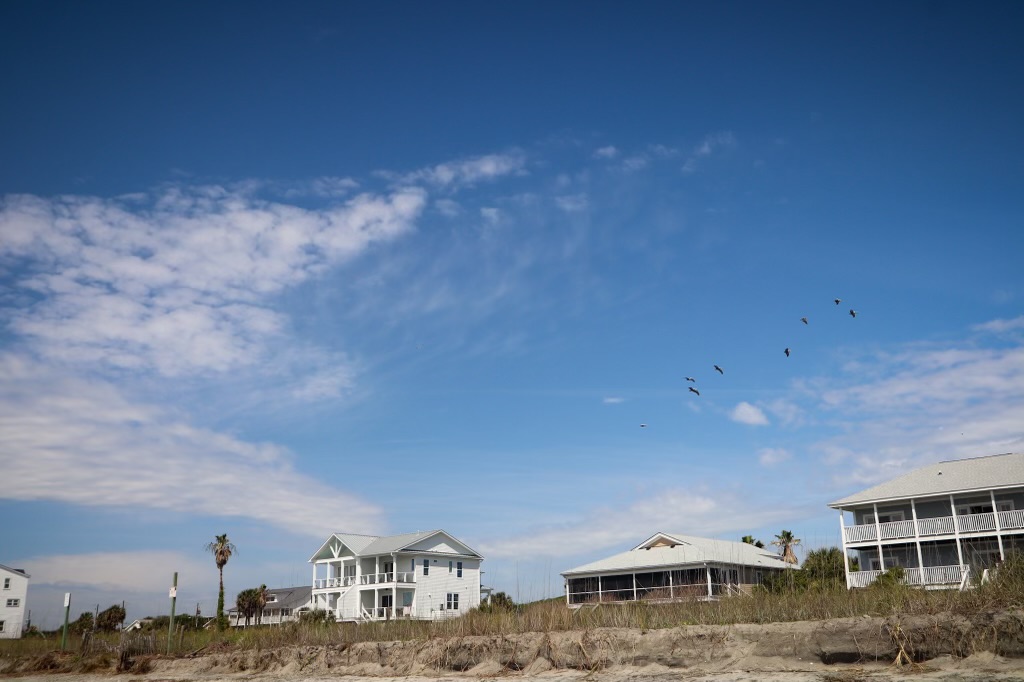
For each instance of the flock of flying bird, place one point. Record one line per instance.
(693, 389)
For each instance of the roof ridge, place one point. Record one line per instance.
(964, 459)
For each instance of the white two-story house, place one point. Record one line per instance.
(940, 523)
(426, 575)
(13, 592)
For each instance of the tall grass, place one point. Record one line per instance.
(1006, 591)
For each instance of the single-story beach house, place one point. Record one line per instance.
(668, 566)
(284, 605)
(940, 523)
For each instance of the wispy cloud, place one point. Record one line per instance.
(612, 400)
(572, 203)
(924, 403)
(674, 510)
(1001, 326)
(709, 145)
(177, 284)
(83, 442)
(745, 413)
(771, 456)
(609, 152)
(464, 172)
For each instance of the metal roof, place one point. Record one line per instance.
(958, 475)
(370, 545)
(689, 550)
(19, 571)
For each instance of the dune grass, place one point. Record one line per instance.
(552, 615)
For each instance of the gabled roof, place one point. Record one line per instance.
(369, 545)
(287, 597)
(958, 475)
(19, 571)
(664, 550)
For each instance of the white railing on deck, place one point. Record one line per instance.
(1011, 519)
(863, 578)
(379, 578)
(326, 583)
(861, 533)
(973, 523)
(934, 575)
(896, 529)
(942, 525)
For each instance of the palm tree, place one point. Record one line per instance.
(222, 549)
(749, 539)
(245, 602)
(261, 596)
(786, 541)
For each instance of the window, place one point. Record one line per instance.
(452, 602)
(412, 565)
(426, 567)
(1, 626)
(7, 583)
(407, 599)
(13, 603)
(458, 570)
(885, 517)
(450, 567)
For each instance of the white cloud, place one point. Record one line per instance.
(922, 404)
(709, 145)
(179, 285)
(635, 163)
(82, 442)
(772, 456)
(133, 571)
(466, 172)
(609, 152)
(673, 511)
(745, 413)
(573, 203)
(1000, 326)
(612, 400)
(448, 207)
(491, 215)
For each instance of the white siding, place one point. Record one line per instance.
(13, 617)
(432, 590)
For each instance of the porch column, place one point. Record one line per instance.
(917, 541)
(956, 531)
(671, 589)
(878, 537)
(567, 591)
(842, 538)
(999, 531)
(600, 597)
(634, 587)
(708, 569)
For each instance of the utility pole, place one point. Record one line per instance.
(67, 612)
(170, 625)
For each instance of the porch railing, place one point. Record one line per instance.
(326, 583)
(1011, 519)
(942, 525)
(929, 575)
(392, 577)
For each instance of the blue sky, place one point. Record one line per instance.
(278, 272)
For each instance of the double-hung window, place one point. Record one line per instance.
(426, 567)
(452, 602)
(13, 603)
(458, 570)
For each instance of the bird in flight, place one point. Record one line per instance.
(643, 426)
(804, 320)
(786, 352)
(838, 301)
(718, 369)
(853, 313)
(691, 379)
(693, 390)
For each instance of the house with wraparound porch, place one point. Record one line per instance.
(942, 524)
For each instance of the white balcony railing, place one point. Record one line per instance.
(381, 578)
(327, 583)
(896, 529)
(863, 578)
(942, 525)
(929, 575)
(974, 523)
(1011, 520)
